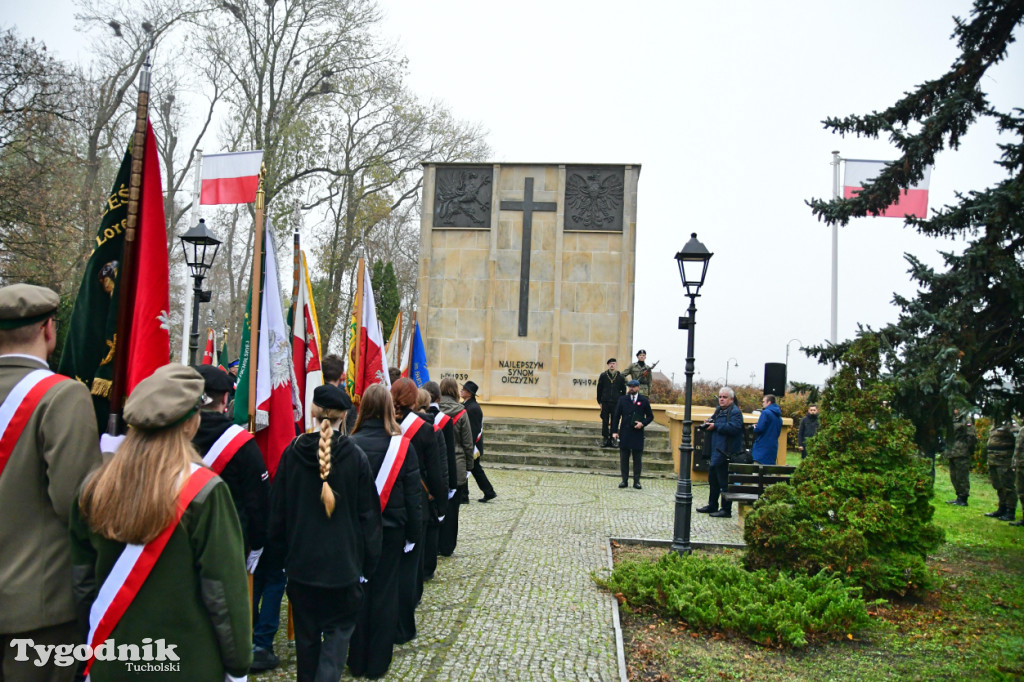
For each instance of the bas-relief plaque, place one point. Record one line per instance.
(462, 196)
(594, 198)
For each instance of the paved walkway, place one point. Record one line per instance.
(516, 601)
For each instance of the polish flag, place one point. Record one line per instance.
(912, 202)
(373, 366)
(208, 354)
(306, 346)
(230, 178)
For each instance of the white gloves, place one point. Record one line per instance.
(253, 559)
(408, 547)
(109, 444)
(451, 493)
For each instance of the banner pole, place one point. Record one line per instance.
(257, 299)
(833, 329)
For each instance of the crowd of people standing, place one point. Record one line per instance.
(134, 560)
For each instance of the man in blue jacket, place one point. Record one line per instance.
(633, 411)
(726, 429)
(766, 433)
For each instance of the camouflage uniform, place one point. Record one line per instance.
(1000, 456)
(959, 457)
(1018, 465)
(636, 371)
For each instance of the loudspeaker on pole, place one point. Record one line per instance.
(775, 378)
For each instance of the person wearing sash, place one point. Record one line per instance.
(233, 454)
(48, 444)
(461, 446)
(394, 463)
(430, 393)
(156, 547)
(476, 426)
(418, 429)
(325, 527)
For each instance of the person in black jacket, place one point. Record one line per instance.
(476, 425)
(376, 431)
(611, 386)
(325, 527)
(246, 476)
(419, 430)
(431, 540)
(808, 427)
(632, 413)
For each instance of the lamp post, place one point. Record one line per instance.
(200, 248)
(787, 352)
(693, 266)
(734, 364)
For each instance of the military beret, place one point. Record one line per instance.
(25, 304)
(167, 397)
(633, 382)
(330, 397)
(471, 387)
(610, 361)
(217, 380)
(641, 351)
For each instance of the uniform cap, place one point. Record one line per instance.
(216, 379)
(167, 397)
(25, 304)
(641, 351)
(330, 397)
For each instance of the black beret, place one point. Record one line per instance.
(217, 380)
(330, 397)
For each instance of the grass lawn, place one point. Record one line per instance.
(971, 628)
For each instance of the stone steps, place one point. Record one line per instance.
(572, 446)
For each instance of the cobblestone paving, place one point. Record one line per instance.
(516, 601)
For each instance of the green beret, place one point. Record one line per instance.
(169, 396)
(25, 304)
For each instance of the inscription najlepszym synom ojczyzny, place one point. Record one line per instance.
(520, 371)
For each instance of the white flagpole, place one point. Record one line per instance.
(194, 218)
(833, 331)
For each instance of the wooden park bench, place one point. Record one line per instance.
(747, 483)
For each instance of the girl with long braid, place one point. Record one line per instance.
(325, 526)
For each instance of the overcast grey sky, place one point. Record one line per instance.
(721, 103)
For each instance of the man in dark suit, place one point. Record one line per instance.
(611, 386)
(633, 411)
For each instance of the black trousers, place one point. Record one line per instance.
(624, 455)
(607, 410)
(325, 619)
(718, 483)
(430, 547)
(374, 638)
(410, 587)
(480, 476)
(448, 537)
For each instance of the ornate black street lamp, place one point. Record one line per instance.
(200, 247)
(693, 266)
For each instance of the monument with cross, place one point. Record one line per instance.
(526, 277)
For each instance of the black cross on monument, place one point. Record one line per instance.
(527, 206)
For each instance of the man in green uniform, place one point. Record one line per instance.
(641, 371)
(1000, 456)
(959, 457)
(1018, 466)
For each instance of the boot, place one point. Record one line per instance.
(1010, 515)
(1018, 523)
(997, 513)
(960, 501)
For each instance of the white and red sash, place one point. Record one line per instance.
(389, 468)
(18, 407)
(225, 447)
(411, 425)
(132, 568)
(441, 420)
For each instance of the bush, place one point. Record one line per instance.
(858, 506)
(715, 593)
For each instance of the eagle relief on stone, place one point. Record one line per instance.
(595, 201)
(459, 194)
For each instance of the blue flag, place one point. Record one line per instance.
(418, 372)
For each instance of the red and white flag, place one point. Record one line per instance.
(230, 178)
(306, 345)
(912, 201)
(210, 354)
(277, 400)
(373, 366)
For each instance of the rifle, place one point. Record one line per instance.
(649, 369)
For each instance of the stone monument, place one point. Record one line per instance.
(526, 276)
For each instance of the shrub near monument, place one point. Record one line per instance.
(859, 506)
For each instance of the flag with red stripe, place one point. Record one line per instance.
(230, 178)
(911, 202)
